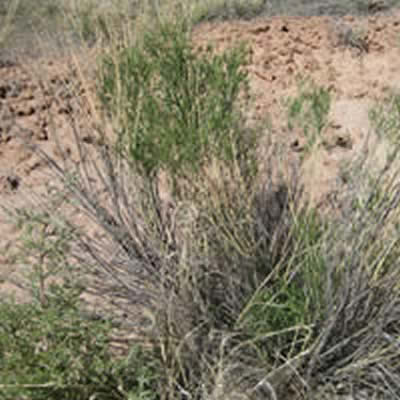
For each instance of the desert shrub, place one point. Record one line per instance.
(58, 352)
(308, 111)
(179, 106)
(55, 346)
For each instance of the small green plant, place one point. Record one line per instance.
(177, 107)
(56, 352)
(287, 308)
(308, 111)
(385, 118)
(48, 353)
(44, 247)
(52, 347)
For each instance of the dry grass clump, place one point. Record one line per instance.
(48, 27)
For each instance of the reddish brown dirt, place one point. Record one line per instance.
(358, 69)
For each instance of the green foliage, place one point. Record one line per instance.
(309, 230)
(385, 118)
(56, 352)
(51, 348)
(51, 353)
(308, 111)
(140, 373)
(177, 105)
(287, 309)
(44, 245)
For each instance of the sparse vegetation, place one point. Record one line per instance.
(308, 112)
(232, 284)
(56, 352)
(385, 118)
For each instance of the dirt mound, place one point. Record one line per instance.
(356, 59)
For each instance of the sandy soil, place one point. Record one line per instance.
(356, 59)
